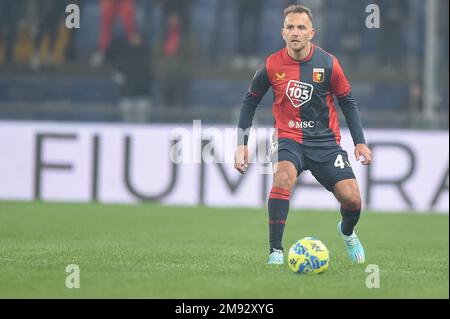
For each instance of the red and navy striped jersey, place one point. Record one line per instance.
(303, 106)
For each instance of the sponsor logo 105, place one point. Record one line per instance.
(299, 93)
(301, 124)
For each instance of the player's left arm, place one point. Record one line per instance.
(340, 87)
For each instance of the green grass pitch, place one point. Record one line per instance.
(151, 251)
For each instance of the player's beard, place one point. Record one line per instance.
(301, 45)
(299, 48)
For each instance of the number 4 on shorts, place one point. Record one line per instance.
(339, 162)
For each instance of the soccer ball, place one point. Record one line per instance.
(308, 256)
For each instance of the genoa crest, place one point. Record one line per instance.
(318, 75)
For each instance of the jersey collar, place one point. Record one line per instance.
(306, 59)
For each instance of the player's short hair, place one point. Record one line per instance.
(297, 8)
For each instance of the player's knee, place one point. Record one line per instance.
(352, 202)
(284, 180)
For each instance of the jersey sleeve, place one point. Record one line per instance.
(260, 82)
(340, 87)
(350, 109)
(258, 88)
(339, 84)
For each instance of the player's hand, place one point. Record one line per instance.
(241, 159)
(364, 151)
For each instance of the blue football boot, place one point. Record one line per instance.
(354, 248)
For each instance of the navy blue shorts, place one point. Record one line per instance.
(328, 165)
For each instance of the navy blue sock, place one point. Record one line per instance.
(278, 212)
(349, 220)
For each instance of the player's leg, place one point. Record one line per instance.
(288, 164)
(347, 193)
(287, 159)
(336, 174)
(284, 179)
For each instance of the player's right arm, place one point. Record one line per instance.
(258, 87)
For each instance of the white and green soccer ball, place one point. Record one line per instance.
(308, 256)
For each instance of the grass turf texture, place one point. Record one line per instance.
(151, 251)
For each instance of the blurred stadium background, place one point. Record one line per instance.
(164, 63)
(85, 116)
(398, 72)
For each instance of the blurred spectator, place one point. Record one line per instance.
(176, 69)
(182, 9)
(216, 48)
(248, 32)
(394, 14)
(50, 15)
(110, 9)
(132, 61)
(10, 14)
(146, 26)
(352, 33)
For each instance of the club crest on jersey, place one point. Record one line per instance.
(299, 93)
(318, 75)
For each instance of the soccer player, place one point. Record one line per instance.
(304, 79)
